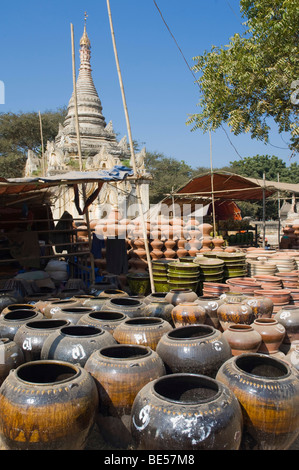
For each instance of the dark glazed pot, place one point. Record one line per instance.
(13, 307)
(234, 311)
(262, 307)
(75, 343)
(56, 305)
(31, 336)
(71, 314)
(160, 308)
(268, 391)
(196, 349)
(189, 411)
(177, 296)
(127, 305)
(95, 303)
(8, 297)
(108, 320)
(11, 356)
(12, 321)
(188, 313)
(211, 304)
(120, 371)
(288, 316)
(146, 331)
(47, 405)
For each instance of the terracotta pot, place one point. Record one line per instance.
(60, 412)
(75, 343)
(242, 339)
(143, 330)
(272, 334)
(211, 304)
(120, 372)
(177, 296)
(31, 336)
(127, 305)
(57, 305)
(188, 313)
(278, 296)
(268, 391)
(178, 402)
(288, 316)
(12, 321)
(234, 311)
(107, 320)
(262, 307)
(11, 357)
(196, 349)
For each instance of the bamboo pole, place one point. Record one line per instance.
(264, 210)
(92, 275)
(212, 186)
(278, 213)
(132, 150)
(42, 144)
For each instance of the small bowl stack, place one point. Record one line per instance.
(294, 296)
(210, 269)
(160, 275)
(214, 289)
(246, 285)
(284, 263)
(279, 297)
(183, 275)
(234, 264)
(289, 279)
(261, 268)
(269, 282)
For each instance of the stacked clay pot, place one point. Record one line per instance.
(60, 412)
(268, 392)
(120, 372)
(189, 411)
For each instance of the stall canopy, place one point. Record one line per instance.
(229, 186)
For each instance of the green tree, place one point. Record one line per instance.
(20, 133)
(251, 81)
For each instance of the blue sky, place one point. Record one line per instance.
(36, 68)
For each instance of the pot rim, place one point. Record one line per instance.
(147, 351)
(210, 331)
(100, 331)
(203, 378)
(48, 362)
(282, 364)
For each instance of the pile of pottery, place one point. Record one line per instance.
(214, 289)
(284, 264)
(234, 264)
(245, 285)
(210, 269)
(262, 267)
(183, 275)
(279, 297)
(268, 282)
(159, 268)
(289, 279)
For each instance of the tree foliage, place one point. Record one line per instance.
(20, 133)
(250, 81)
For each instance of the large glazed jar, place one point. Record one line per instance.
(272, 334)
(75, 343)
(9, 296)
(242, 339)
(292, 357)
(12, 321)
(211, 305)
(108, 320)
(188, 313)
(71, 314)
(11, 356)
(196, 349)
(47, 405)
(234, 310)
(191, 412)
(177, 296)
(268, 392)
(288, 316)
(31, 336)
(262, 307)
(158, 307)
(113, 293)
(57, 305)
(120, 371)
(95, 303)
(146, 331)
(127, 305)
(13, 307)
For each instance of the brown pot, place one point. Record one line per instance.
(188, 313)
(242, 339)
(13, 307)
(234, 311)
(57, 305)
(272, 334)
(288, 316)
(211, 305)
(177, 296)
(261, 306)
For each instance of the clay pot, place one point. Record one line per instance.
(127, 305)
(268, 392)
(158, 307)
(288, 316)
(113, 293)
(242, 339)
(41, 304)
(139, 283)
(13, 307)
(108, 320)
(146, 331)
(233, 311)
(75, 343)
(31, 336)
(8, 297)
(96, 303)
(178, 296)
(47, 405)
(120, 372)
(195, 349)
(292, 357)
(188, 313)
(278, 296)
(57, 305)
(176, 403)
(262, 307)
(11, 356)
(211, 305)
(12, 321)
(71, 314)
(272, 334)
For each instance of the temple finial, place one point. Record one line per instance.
(85, 40)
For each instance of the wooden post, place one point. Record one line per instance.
(264, 210)
(278, 213)
(42, 145)
(132, 151)
(212, 187)
(80, 152)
